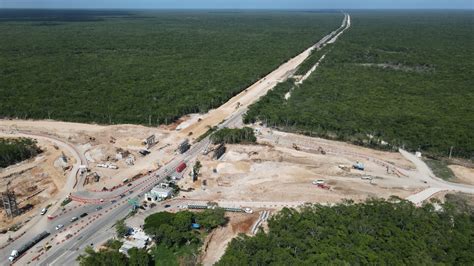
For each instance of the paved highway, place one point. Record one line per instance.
(83, 232)
(39, 223)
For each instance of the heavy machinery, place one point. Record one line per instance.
(359, 166)
(296, 147)
(18, 252)
(321, 150)
(184, 146)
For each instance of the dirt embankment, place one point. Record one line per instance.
(216, 243)
(262, 173)
(463, 174)
(37, 181)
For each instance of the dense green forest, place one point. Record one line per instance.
(16, 150)
(376, 232)
(311, 61)
(404, 78)
(141, 67)
(234, 135)
(176, 242)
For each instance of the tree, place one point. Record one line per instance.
(211, 218)
(164, 256)
(121, 228)
(102, 258)
(154, 221)
(138, 257)
(234, 135)
(373, 232)
(197, 167)
(16, 150)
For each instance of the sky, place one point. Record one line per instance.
(242, 4)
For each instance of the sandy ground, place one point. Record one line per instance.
(35, 181)
(247, 96)
(283, 139)
(463, 174)
(102, 144)
(265, 174)
(216, 243)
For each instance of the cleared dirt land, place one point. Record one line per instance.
(264, 173)
(463, 174)
(35, 181)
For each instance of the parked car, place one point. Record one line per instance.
(167, 206)
(318, 182)
(43, 211)
(144, 152)
(59, 226)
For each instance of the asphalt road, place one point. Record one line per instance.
(101, 221)
(40, 223)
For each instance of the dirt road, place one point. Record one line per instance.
(435, 184)
(253, 93)
(39, 221)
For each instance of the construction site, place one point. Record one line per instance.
(274, 173)
(31, 184)
(89, 176)
(107, 156)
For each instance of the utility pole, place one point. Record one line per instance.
(451, 152)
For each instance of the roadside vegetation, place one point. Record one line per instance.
(312, 60)
(176, 240)
(440, 168)
(234, 135)
(207, 133)
(175, 236)
(149, 68)
(394, 79)
(14, 150)
(376, 232)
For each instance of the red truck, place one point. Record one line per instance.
(181, 167)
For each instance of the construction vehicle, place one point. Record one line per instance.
(318, 182)
(359, 166)
(248, 210)
(321, 150)
(18, 252)
(345, 167)
(184, 146)
(296, 147)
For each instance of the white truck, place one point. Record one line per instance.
(18, 252)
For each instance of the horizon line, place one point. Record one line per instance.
(243, 9)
